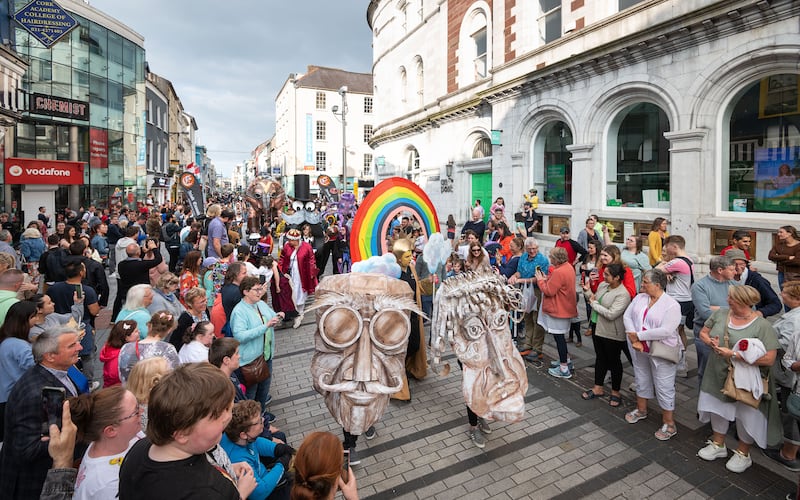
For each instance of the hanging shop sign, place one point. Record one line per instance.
(33, 171)
(161, 182)
(59, 106)
(46, 21)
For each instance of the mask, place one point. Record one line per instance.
(360, 345)
(472, 311)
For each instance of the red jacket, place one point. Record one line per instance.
(110, 358)
(305, 262)
(559, 299)
(627, 281)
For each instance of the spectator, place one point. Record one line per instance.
(634, 257)
(140, 297)
(51, 262)
(476, 224)
(143, 377)
(786, 255)
(196, 341)
(229, 296)
(180, 430)
(195, 312)
(164, 295)
(770, 304)
(709, 294)
(16, 355)
(24, 460)
(123, 332)
(95, 274)
(531, 347)
(740, 240)
(130, 234)
(10, 283)
(559, 305)
(573, 248)
(47, 318)
(190, 278)
(134, 270)
(171, 236)
(100, 241)
(217, 230)
(32, 247)
(655, 240)
(159, 327)
(318, 469)
(42, 216)
(6, 248)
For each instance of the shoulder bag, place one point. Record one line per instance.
(729, 388)
(661, 350)
(257, 370)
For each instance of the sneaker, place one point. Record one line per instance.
(712, 451)
(296, 325)
(739, 462)
(634, 416)
(556, 372)
(792, 465)
(665, 432)
(477, 438)
(556, 364)
(370, 433)
(354, 460)
(483, 425)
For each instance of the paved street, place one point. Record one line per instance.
(565, 448)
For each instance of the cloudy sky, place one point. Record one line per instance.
(227, 60)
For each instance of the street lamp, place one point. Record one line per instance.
(343, 114)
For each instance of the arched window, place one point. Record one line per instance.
(762, 170)
(412, 164)
(638, 161)
(475, 45)
(552, 163)
(420, 82)
(482, 149)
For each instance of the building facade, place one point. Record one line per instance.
(97, 71)
(309, 131)
(631, 110)
(157, 134)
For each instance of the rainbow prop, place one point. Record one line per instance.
(389, 198)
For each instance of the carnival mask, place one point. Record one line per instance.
(472, 311)
(361, 339)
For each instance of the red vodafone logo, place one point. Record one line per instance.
(33, 171)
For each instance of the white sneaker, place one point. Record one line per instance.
(297, 322)
(712, 451)
(739, 462)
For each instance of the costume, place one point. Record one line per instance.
(300, 264)
(471, 311)
(762, 423)
(142, 478)
(360, 313)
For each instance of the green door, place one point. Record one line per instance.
(482, 190)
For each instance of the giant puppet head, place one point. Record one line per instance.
(471, 311)
(362, 335)
(266, 197)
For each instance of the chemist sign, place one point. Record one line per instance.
(46, 21)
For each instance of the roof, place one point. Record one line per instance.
(322, 78)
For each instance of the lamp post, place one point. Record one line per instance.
(343, 114)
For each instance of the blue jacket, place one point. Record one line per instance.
(32, 249)
(100, 243)
(770, 304)
(251, 330)
(266, 479)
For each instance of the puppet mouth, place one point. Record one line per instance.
(358, 391)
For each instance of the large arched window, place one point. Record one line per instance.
(762, 169)
(475, 45)
(552, 163)
(412, 164)
(482, 148)
(638, 162)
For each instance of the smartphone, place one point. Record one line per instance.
(538, 269)
(346, 466)
(262, 279)
(79, 291)
(52, 407)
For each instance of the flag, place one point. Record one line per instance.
(193, 168)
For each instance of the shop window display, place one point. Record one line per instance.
(552, 164)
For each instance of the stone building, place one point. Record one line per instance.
(629, 109)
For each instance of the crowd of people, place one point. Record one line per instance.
(196, 313)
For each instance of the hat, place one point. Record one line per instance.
(736, 254)
(564, 229)
(293, 234)
(210, 261)
(228, 213)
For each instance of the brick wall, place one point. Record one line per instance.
(456, 9)
(509, 31)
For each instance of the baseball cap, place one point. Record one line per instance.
(564, 229)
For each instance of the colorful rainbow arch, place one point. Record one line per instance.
(389, 198)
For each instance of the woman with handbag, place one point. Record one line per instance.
(651, 323)
(788, 330)
(730, 333)
(252, 322)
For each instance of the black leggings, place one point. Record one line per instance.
(608, 352)
(472, 417)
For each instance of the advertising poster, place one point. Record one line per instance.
(556, 183)
(98, 148)
(777, 179)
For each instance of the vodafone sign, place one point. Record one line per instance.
(33, 171)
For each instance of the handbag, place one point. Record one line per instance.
(529, 301)
(255, 371)
(729, 388)
(661, 350)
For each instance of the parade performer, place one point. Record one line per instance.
(297, 260)
(471, 311)
(360, 345)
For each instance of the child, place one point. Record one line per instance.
(197, 339)
(451, 230)
(123, 332)
(455, 265)
(172, 461)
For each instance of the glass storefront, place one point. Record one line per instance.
(762, 170)
(552, 164)
(96, 66)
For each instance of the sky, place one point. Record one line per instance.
(228, 60)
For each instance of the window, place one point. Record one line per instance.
(482, 149)
(321, 126)
(412, 168)
(638, 163)
(367, 133)
(624, 4)
(762, 170)
(367, 105)
(479, 38)
(320, 100)
(367, 171)
(420, 82)
(552, 164)
(322, 161)
(403, 84)
(549, 20)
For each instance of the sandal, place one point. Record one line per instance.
(614, 401)
(634, 416)
(590, 394)
(665, 432)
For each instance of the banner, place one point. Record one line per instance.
(194, 193)
(98, 148)
(327, 189)
(33, 171)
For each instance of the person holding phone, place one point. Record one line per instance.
(24, 460)
(321, 457)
